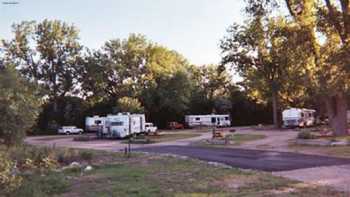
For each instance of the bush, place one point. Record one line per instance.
(42, 186)
(66, 156)
(9, 178)
(305, 135)
(86, 155)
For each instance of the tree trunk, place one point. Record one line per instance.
(337, 113)
(275, 109)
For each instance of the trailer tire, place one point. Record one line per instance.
(68, 132)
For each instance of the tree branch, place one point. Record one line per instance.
(345, 5)
(334, 21)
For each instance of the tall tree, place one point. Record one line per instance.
(19, 105)
(48, 53)
(116, 69)
(331, 54)
(263, 53)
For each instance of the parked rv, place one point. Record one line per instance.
(120, 125)
(295, 117)
(94, 123)
(217, 120)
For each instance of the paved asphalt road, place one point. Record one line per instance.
(250, 159)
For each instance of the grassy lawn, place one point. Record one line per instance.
(233, 140)
(237, 139)
(162, 137)
(167, 176)
(114, 174)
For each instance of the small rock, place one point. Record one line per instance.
(75, 165)
(88, 168)
(340, 143)
(220, 165)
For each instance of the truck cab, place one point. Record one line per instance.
(150, 128)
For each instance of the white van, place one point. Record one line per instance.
(296, 117)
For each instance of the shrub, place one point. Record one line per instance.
(86, 155)
(9, 178)
(305, 135)
(42, 186)
(67, 156)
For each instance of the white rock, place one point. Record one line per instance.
(74, 164)
(88, 168)
(340, 143)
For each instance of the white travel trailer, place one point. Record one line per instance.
(208, 120)
(94, 123)
(122, 125)
(295, 117)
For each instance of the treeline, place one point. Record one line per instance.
(294, 53)
(132, 74)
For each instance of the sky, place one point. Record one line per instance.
(191, 27)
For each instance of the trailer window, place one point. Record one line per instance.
(198, 119)
(213, 120)
(116, 123)
(226, 118)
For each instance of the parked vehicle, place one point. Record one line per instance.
(122, 125)
(94, 123)
(217, 120)
(175, 125)
(150, 128)
(295, 117)
(70, 130)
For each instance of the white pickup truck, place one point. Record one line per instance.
(150, 128)
(70, 130)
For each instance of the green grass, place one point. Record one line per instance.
(168, 176)
(238, 139)
(163, 137)
(36, 185)
(233, 140)
(155, 175)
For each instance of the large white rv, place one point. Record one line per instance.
(118, 126)
(94, 123)
(295, 117)
(208, 120)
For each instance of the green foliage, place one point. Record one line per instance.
(168, 98)
(42, 186)
(9, 180)
(87, 155)
(48, 52)
(19, 106)
(127, 104)
(70, 111)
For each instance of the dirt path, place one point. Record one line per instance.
(275, 140)
(334, 176)
(103, 144)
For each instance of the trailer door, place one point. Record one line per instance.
(213, 120)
